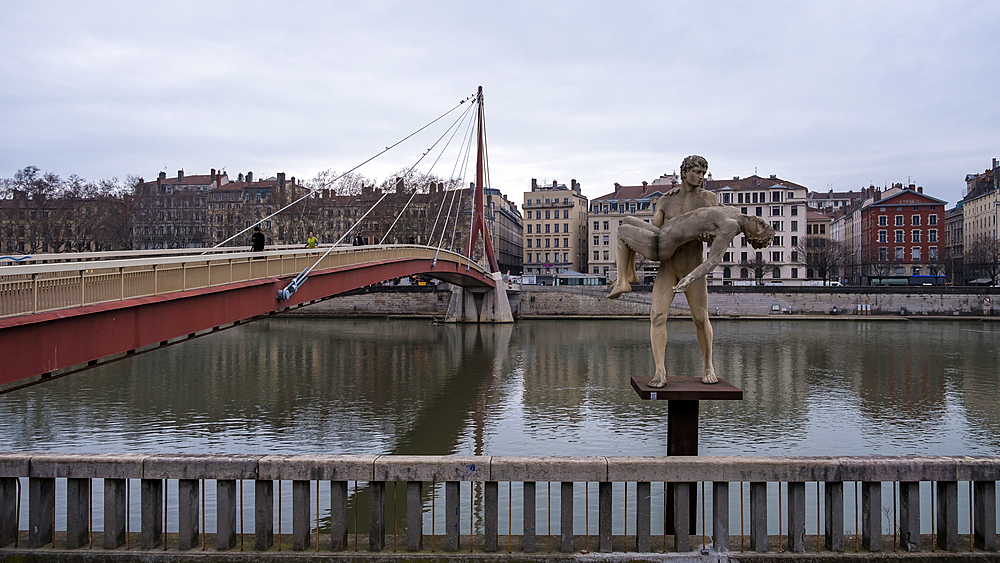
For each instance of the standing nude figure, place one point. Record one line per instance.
(685, 259)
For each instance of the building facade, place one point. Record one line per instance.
(902, 235)
(555, 236)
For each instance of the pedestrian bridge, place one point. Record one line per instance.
(61, 313)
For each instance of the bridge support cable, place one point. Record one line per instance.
(454, 128)
(300, 279)
(454, 193)
(313, 191)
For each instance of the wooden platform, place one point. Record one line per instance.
(686, 389)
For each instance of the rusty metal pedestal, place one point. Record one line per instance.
(682, 395)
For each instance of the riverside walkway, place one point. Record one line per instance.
(609, 488)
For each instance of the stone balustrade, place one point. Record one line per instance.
(723, 476)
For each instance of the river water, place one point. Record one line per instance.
(346, 386)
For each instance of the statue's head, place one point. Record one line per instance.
(692, 161)
(758, 231)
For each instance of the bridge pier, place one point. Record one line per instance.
(478, 306)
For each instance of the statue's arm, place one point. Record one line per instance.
(723, 236)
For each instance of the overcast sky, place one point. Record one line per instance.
(824, 94)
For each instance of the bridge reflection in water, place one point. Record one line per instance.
(537, 388)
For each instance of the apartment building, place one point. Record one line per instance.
(555, 237)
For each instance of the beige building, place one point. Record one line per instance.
(555, 236)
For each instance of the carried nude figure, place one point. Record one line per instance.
(679, 249)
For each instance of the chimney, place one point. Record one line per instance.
(249, 177)
(774, 176)
(573, 185)
(293, 180)
(398, 187)
(878, 194)
(736, 177)
(281, 179)
(554, 183)
(162, 176)
(180, 175)
(240, 177)
(212, 177)
(920, 189)
(534, 184)
(994, 163)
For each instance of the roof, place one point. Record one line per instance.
(909, 195)
(754, 182)
(648, 191)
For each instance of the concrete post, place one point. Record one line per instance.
(225, 514)
(41, 506)
(300, 515)
(338, 515)
(758, 516)
(376, 515)
(643, 541)
(529, 524)
(491, 515)
(263, 514)
(151, 502)
(187, 513)
(871, 515)
(566, 517)
(834, 510)
(8, 510)
(909, 515)
(796, 516)
(682, 518)
(604, 515)
(947, 515)
(984, 511)
(720, 516)
(77, 513)
(452, 495)
(414, 515)
(114, 512)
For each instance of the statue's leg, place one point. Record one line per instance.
(663, 294)
(623, 257)
(697, 297)
(631, 239)
(632, 276)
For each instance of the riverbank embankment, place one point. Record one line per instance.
(534, 302)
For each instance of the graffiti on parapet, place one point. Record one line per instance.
(2, 258)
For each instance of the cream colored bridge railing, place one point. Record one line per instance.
(36, 288)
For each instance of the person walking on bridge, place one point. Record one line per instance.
(257, 240)
(312, 241)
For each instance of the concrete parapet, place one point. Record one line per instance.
(81, 466)
(660, 468)
(310, 467)
(545, 468)
(195, 466)
(433, 468)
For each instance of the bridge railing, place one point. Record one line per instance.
(36, 288)
(598, 501)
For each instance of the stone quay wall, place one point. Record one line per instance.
(548, 301)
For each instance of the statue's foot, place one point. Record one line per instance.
(620, 287)
(709, 377)
(659, 380)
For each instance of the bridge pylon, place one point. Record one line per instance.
(470, 305)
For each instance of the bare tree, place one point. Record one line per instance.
(759, 267)
(879, 265)
(983, 258)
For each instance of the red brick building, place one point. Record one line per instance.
(902, 234)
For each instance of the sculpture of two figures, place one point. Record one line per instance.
(684, 218)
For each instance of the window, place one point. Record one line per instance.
(915, 252)
(915, 219)
(883, 220)
(915, 235)
(795, 273)
(822, 229)
(547, 258)
(777, 226)
(899, 235)
(795, 241)
(776, 241)
(899, 253)
(883, 254)
(529, 228)
(795, 256)
(795, 225)
(755, 197)
(607, 255)
(565, 213)
(744, 273)
(727, 273)
(932, 253)
(775, 210)
(915, 271)
(605, 225)
(597, 240)
(596, 227)
(538, 257)
(743, 210)
(606, 240)
(743, 241)
(743, 256)
(795, 210)
(899, 220)
(547, 201)
(932, 219)
(555, 242)
(760, 211)
(547, 212)
(547, 241)
(776, 256)
(565, 227)
(932, 235)
(727, 257)
(529, 243)
(565, 257)
(727, 198)
(597, 255)
(776, 274)
(557, 257)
